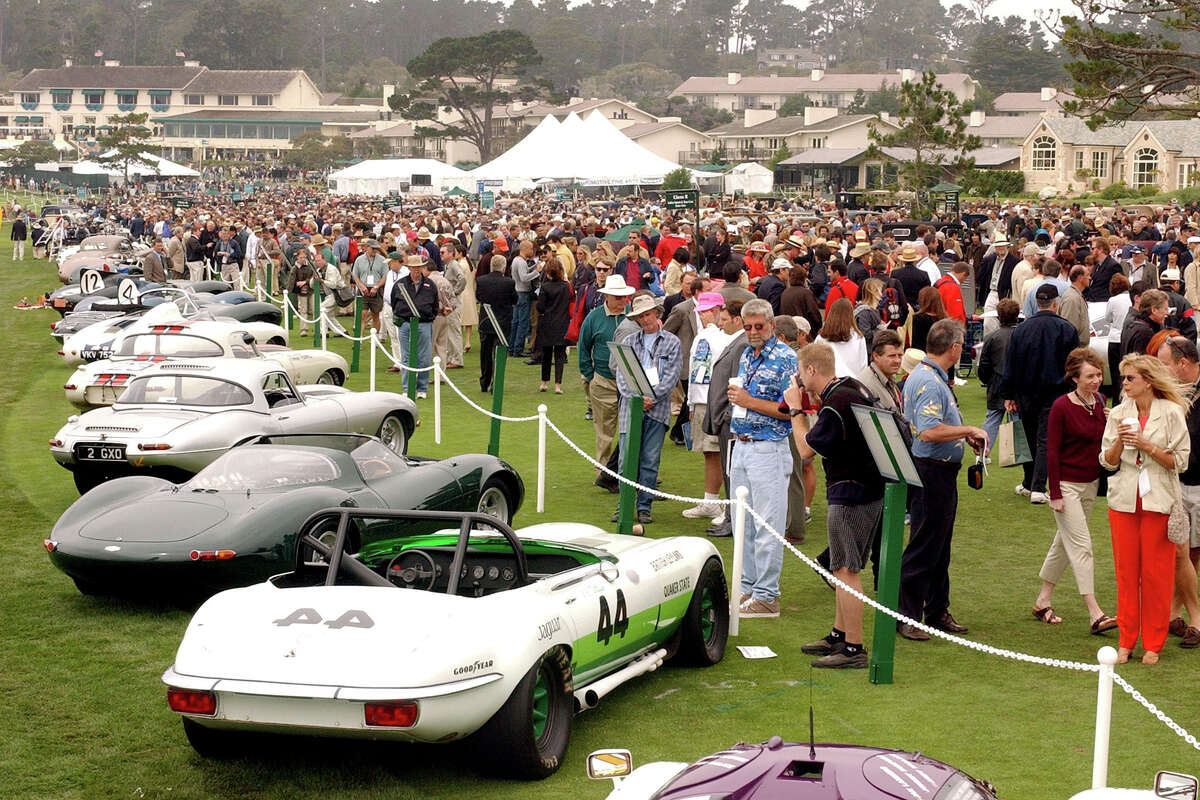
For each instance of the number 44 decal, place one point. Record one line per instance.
(309, 616)
(609, 624)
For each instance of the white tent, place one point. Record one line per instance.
(590, 152)
(749, 178)
(158, 167)
(380, 176)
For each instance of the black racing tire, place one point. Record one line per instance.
(212, 742)
(87, 479)
(393, 433)
(331, 377)
(527, 737)
(705, 627)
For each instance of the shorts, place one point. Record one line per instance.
(1191, 501)
(701, 441)
(373, 303)
(851, 529)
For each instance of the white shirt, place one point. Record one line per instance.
(1114, 314)
(930, 268)
(251, 248)
(849, 358)
(706, 349)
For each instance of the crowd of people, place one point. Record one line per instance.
(758, 329)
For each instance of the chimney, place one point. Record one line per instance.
(191, 63)
(111, 62)
(907, 75)
(977, 118)
(815, 114)
(885, 116)
(1048, 93)
(68, 62)
(389, 89)
(757, 116)
(733, 78)
(816, 75)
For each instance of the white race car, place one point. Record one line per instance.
(101, 383)
(476, 630)
(104, 338)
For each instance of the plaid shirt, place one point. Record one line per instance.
(669, 362)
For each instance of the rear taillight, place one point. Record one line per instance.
(60, 352)
(56, 442)
(391, 714)
(191, 701)
(50, 545)
(154, 446)
(70, 387)
(211, 555)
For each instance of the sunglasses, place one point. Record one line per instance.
(1128, 378)
(755, 326)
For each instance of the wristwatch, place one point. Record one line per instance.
(795, 412)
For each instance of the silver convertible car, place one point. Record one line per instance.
(178, 417)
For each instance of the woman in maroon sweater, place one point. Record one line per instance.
(1073, 438)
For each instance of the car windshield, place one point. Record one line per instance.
(961, 787)
(185, 390)
(101, 245)
(175, 345)
(265, 467)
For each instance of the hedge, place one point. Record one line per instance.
(986, 182)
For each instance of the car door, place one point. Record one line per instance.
(294, 413)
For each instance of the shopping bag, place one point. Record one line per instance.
(1011, 445)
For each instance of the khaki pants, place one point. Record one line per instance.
(603, 394)
(1072, 543)
(388, 321)
(447, 338)
(230, 273)
(195, 270)
(329, 308)
(18, 250)
(304, 310)
(795, 494)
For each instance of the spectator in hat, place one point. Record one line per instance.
(1033, 380)
(424, 295)
(426, 243)
(595, 335)
(756, 255)
(658, 353)
(705, 349)
(1181, 316)
(772, 287)
(994, 281)
(1104, 267)
(1139, 268)
(856, 267)
(912, 279)
(493, 288)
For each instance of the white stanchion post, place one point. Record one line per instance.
(739, 538)
(374, 342)
(1107, 658)
(321, 320)
(541, 486)
(258, 292)
(287, 315)
(437, 399)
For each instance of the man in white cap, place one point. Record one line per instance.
(705, 350)
(772, 286)
(994, 281)
(595, 335)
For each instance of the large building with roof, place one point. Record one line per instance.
(1063, 152)
(758, 134)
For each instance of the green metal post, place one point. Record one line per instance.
(357, 333)
(287, 298)
(632, 457)
(317, 311)
(270, 275)
(883, 652)
(497, 399)
(413, 349)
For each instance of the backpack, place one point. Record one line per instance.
(891, 310)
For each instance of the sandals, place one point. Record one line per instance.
(1102, 624)
(1047, 615)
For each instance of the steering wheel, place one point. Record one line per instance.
(374, 468)
(412, 569)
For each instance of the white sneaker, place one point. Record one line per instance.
(1021, 491)
(1039, 498)
(807, 515)
(720, 518)
(420, 395)
(703, 510)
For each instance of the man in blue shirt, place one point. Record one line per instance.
(761, 459)
(938, 446)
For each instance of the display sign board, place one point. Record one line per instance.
(682, 199)
(181, 202)
(887, 446)
(487, 200)
(496, 326)
(631, 367)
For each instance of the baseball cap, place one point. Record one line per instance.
(1047, 291)
(707, 301)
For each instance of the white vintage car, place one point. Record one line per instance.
(178, 416)
(103, 339)
(101, 383)
(473, 630)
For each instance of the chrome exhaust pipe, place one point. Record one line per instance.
(592, 693)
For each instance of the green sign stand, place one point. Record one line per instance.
(497, 398)
(291, 317)
(357, 348)
(632, 457)
(317, 309)
(895, 464)
(413, 350)
(270, 274)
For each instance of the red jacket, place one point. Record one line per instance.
(667, 246)
(844, 288)
(952, 298)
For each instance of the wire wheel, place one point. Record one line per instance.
(392, 434)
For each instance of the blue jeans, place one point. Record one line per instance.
(653, 433)
(520, 324)
(424, 350)
(763, 468)
(991, 425)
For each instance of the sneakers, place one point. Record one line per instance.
(711, 510)
(719, 531)
(588, 415)
(420, 395)
(744, 599)
(821, 647)
(841, 659)
(644, 518)
(1021, 491)
(807, 515)
(1039, 498)
(720, 519)
(754, 607)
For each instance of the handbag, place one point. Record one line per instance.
(1179, 525)
(345, 295)
(1012, 447)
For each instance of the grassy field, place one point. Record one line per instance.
(84, 714)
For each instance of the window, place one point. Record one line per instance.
(816, 142)
(1078, 160)
(1099, 164)
(264, 100)
(1186, 173)
(60, 99)
(171, 129)
(227, 99)
(1044, 154)
(193, 99)
(185, 390)
(127, 98)
(1145, 168)
(29, 100)
(93, 98)
(244, 469)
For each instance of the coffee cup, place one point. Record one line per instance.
(1128, 424)
(736, 382)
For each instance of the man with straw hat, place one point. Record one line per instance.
(595, 335)
(424, 295)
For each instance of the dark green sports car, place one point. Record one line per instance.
(235, 522)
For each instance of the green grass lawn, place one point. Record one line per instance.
(84, 713)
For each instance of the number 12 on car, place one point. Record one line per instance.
(612, 624)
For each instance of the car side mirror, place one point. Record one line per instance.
(1174, 785)
(609, 571)
(609, 765)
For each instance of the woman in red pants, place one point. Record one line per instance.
(1146, 441)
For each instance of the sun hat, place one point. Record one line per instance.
(707, 301)
(641, 305)
(1000, 241)
(909, 253)
(911, 358)
(795, 241)
(615, 285)
(422, 234)
(1169, 275)
(780, 263)
(860, 249)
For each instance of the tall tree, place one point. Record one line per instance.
(1133, 57)
(28, 153)
(125, 144)
(461, 75)
(932, 125)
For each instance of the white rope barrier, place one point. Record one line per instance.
(478, 407)
(405, 368)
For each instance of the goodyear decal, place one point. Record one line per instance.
(477, 665)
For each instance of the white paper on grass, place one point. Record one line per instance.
(756, 651)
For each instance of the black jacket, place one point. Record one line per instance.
(991, 364)
(1137, 332)
(770, 288)
(983, 281)
(19, 231)
(500, 292)
(913, 280)
(424, 296)
(857, 271)
(554, 314)
(1037, 356)
(1183, 317)
(1102, 274)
